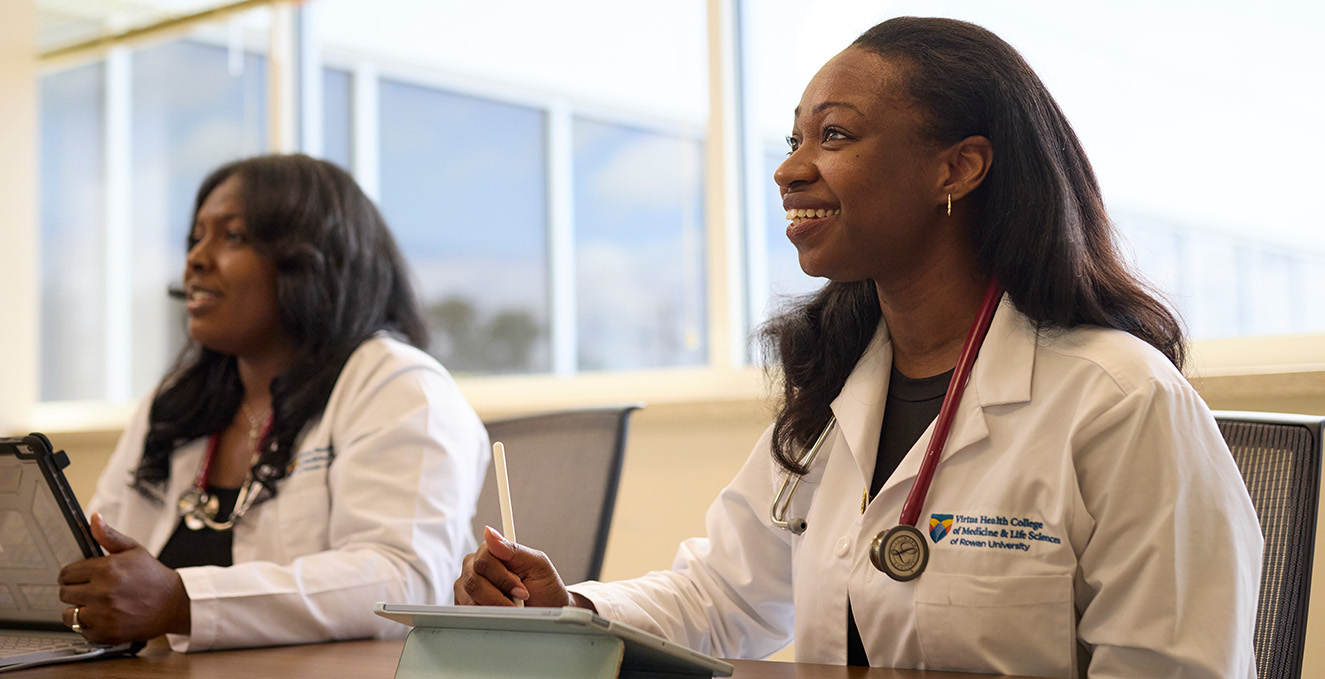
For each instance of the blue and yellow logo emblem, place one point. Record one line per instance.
(939, 525)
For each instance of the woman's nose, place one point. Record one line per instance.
(795, 169)
(198, 256)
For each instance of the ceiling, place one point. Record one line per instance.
(66, 22)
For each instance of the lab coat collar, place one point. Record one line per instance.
(1002, 371)
(859, 406)
(1001, 376)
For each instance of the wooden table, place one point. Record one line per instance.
(374, 660)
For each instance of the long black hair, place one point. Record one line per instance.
(339, 279)
(1039, 224)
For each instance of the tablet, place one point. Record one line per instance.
(644, 653)
(42, 529)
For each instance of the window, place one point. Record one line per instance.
(549, 201)
(194, 107)
(73, 314)
(337, 121)
(464, 189)
(639, 255)
(178, 111)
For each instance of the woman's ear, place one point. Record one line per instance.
(968, 162)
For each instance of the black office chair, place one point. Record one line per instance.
(563, 469)
(1279, 456)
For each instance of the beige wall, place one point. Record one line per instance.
(680, 456)
(18, 208)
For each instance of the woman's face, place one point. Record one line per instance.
(231, 288)
(859, 160)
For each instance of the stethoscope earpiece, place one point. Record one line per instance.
(782, 503)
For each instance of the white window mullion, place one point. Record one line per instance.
(561, 240)
(308, 73)
(118, 291)
(726, 298)
(365, 141)
(755, 259)
(281, 79)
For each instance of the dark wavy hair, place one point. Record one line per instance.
(1039, 224)
(339, 279)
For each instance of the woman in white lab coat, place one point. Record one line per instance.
(305, 458)
(1085, 517)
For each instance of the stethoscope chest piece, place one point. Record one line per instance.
(900, 552)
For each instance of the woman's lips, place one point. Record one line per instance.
(805, 222)
(199, 299)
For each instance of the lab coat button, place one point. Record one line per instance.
(843, 546)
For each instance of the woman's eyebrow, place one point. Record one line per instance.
(823, 106)
(223, 217)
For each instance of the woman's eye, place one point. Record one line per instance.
(792, 144)
(237, 237)
(833, 134)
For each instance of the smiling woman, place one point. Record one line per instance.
(865, 151)
(303, 441)
(931, 174)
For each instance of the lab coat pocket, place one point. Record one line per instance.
(998, 624)
(303, 506)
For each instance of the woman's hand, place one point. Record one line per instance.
(126, 595)
(502, 570)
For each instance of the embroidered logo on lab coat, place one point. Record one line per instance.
(309, 460)
(991, 531)
(939, 524)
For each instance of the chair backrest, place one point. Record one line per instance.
(563, 469)
(1279, 456)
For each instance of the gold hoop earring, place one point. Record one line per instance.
(949, 204)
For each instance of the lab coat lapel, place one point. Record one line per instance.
(184, 464)
(859, 406)
(1001, 376)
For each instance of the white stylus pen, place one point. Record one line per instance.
(504, 496)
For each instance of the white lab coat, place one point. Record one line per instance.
(1096, 511)
(377, 508)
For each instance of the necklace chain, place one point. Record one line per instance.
(255, 425)
(199, 507)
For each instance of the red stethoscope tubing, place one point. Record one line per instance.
(920, 489)
(205, 469)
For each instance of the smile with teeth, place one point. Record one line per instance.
(795, 216)
(197, 295)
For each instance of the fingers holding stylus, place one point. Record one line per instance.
(486, 580)
(502, 571)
